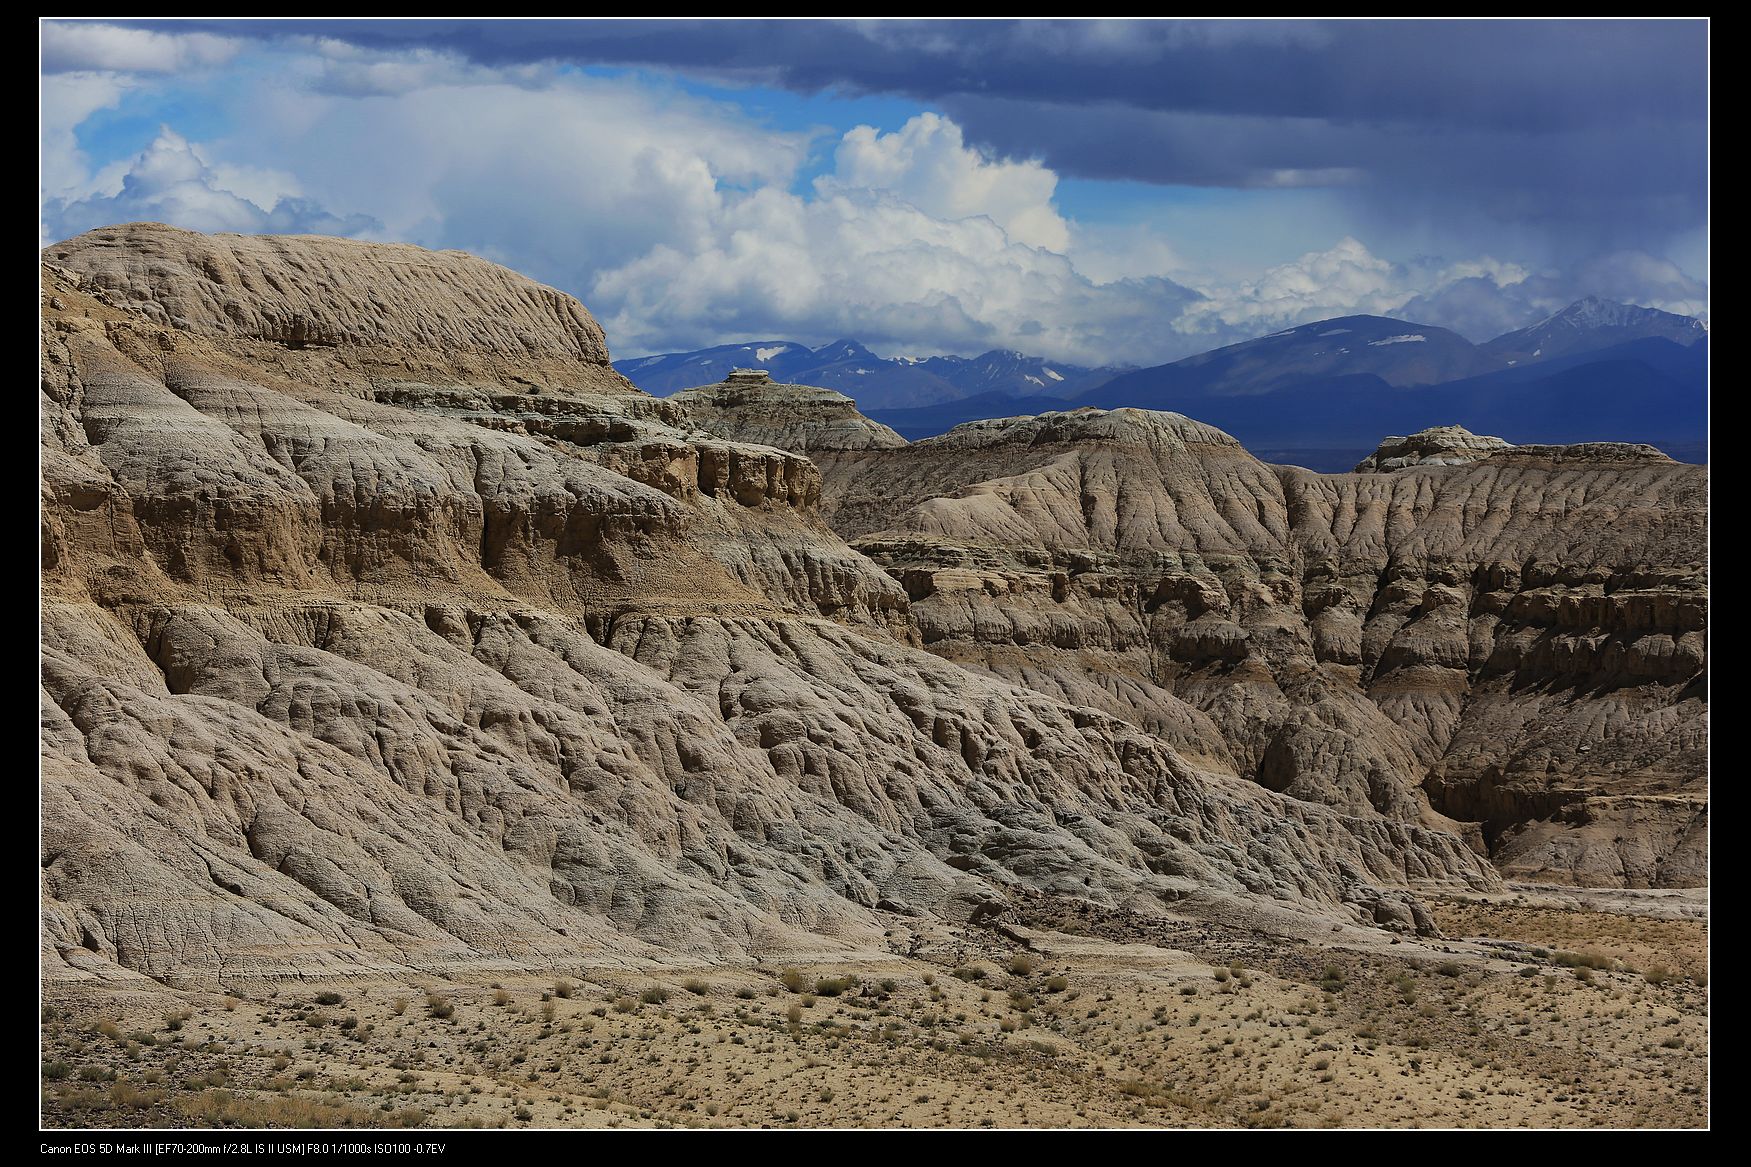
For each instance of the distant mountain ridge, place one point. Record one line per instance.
(1311, 395)
(1591, 324)
(1398, 352)
(1317, 394)
(874, 382)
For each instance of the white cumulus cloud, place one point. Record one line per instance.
(870, 265)
(927, 163)
(171, 182)
(1471, 296)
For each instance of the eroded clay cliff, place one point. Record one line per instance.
(1507, 642)
(384, 627)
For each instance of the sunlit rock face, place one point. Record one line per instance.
(1507, 642)
(386, 627)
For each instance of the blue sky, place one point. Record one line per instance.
(1093, 191)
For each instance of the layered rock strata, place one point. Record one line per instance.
(1511, 646)
(379, 636)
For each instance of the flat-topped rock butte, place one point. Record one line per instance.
(750, 406)
(387, 629)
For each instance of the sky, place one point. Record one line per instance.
(1095, 192)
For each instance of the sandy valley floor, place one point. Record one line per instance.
(1543, 1008)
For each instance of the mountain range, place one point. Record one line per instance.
(1317, 395)
(874, 382)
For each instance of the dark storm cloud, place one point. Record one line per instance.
(1586, 189)
(1594, 131)
(1509, 75)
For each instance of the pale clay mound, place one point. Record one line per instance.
(362, 672)
(337, 308)
(358, 658)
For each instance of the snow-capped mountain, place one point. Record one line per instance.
(1313, 394)
(874, 382)
(1592, 324)
(1398, 352)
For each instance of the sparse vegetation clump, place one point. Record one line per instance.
(221, 1108)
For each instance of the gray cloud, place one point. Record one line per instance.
(1593, 131)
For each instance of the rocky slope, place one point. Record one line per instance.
(386, 628)
(1515, 641)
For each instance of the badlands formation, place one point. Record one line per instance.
(391, 637)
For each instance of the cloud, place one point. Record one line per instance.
(560, 180)
(867, 264)
(1592, 132)
(677, 220)
(67, 100)
(927, 163)
(1643, 279)
(69, 47)
(683, 221)
(1310, 287)
(171, 182)
(1527, 75)
(350, 71)
(1479, 298)
(1481, 307)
